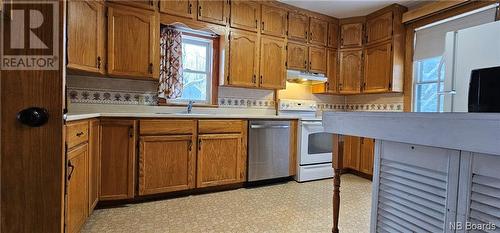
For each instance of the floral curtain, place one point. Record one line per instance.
(170, 86)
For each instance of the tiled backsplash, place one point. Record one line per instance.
(104, 96)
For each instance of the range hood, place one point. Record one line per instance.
(305, 77)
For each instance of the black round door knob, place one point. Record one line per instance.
(33, 117)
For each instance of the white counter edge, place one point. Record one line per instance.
(75, 117)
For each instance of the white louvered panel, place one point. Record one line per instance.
(485, 200)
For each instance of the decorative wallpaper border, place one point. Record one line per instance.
(103, 96)
(234, 102)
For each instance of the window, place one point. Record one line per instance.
(429, 84)
(197, 69)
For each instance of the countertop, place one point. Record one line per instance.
(474, 132)
(74, 117)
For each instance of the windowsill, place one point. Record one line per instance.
(185, 105)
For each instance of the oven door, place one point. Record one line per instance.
(316, 145)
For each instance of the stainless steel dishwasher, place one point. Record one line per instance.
(268, 150)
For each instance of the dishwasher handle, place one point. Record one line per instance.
(269, 126)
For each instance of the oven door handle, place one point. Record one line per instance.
(269, 126)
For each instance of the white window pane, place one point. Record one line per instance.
(194, 57)
(427, 98)
(429, 69)
(195, 87)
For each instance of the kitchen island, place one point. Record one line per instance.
(433, 172)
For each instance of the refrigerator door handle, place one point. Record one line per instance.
(452, 92)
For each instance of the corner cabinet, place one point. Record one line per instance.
(350, 71)
(272, 63)
(118, 158)
(330, 87)
(133, 42)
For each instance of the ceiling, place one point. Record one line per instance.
(348, 8)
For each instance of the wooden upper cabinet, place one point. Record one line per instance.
(366, 155)
(351, 152)
(332, 69)
(351, 35)
(118, 159)
(212, 11)
(351, 62)
(245, 15)
(166, 163)
(144, 4)
(272, 63)
(378, 68)
(77, 187)
(333, 35)
(317, 59)
(273, 21)
(86, 36)
(298, 56)
(94, 162)
(183, 8)
(379, 28)
(243, 59)
(220, 160)
(133, 41)
(318, 32)
(298, 26)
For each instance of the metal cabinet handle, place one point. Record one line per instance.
(199, 144)
(190, 146)
(269, 126)
(262, 25)
(99, 62)
(70, 172)
(199, 10)
(79, 134)
(256, 23)
(150, 68)
(189, 8)
(261, 80)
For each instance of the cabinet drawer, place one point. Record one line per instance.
(76, 133)
(220, 126)
(157, 127)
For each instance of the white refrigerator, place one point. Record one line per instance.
(466, 50)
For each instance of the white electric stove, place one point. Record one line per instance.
(314, 149)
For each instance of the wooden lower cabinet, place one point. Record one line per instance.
(94, 162)
(118, 159)
(221, 160)
(366, 155)
(358, 154)
(351, 152)
(166, 163)
(77, 186)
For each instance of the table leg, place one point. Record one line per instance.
(337, 157)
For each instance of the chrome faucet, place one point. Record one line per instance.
(190, 106)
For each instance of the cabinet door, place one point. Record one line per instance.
(298, 26)
(243, 59)
(77, 186)
(144, 4)
(94, 162)
(166, 163)
(245, 15)
(118, 158)
(318, 32)
(351, 35)
(86, 25)
(378, 68)
(351, 152)
(272, 63)
(132, 42)
(333, 35)
(297, 56)
(366, 155)
(219, 160)
(350, 71)
(317, 60)
(183, 8)
(212, 11)
(331, 85)
(379, 28)
(273, 21)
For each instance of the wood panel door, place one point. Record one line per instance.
(317, 59)
(245, 15)
(133, 39)
(183, 8)
(366, 155)
(86, 36)
(212, 11)
(378, 68)
(274, 21)
(351, 35)
(298, 56)
(332, 71)
(350, 70)
(318, 32)
(94, 162)
(220, 159)
(333, 35)
(351, 152)
(77, 188)
(243, 59)
(298, 26)
(166, 164)
(379, 28)
(118, 159)
(143, 4)
(272, 63)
